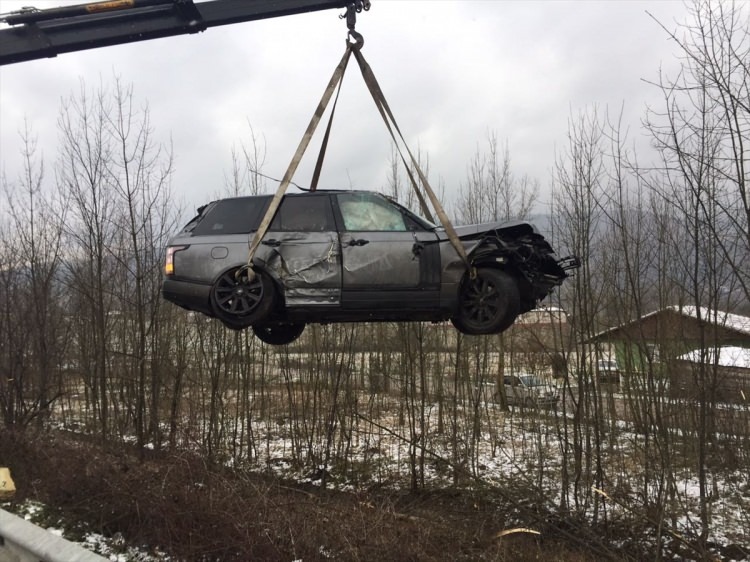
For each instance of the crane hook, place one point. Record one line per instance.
(351, 20)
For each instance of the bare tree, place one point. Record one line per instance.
(401, 178)
(12, 335)
(492, 192)
(85, 153)
(39, 319)
(246, 175)
(139, 173)
(702, 134)
(117, 181)
(580, 177)
(703, 131)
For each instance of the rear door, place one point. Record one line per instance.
(302, 249)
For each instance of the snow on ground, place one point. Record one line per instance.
(514, 446)
(519, 447)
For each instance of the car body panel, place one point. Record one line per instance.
(474, 230)
(383, 260)
(198, 262)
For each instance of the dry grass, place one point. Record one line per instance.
(198, 512)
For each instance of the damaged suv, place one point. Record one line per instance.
(353, 256)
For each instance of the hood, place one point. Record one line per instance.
(474, 230)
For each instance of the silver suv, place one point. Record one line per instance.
(532, 391)
(353, 256)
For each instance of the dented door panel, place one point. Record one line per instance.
(308, 265)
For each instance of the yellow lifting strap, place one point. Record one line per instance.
(387, 115)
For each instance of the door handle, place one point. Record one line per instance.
(360, 242)
(272, 242)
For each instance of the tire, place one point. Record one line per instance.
(487, 304)
(278, 334)
(238, 302)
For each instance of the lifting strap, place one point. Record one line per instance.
(386, 114)
(326, 136)
(388, 119)
(338, 74)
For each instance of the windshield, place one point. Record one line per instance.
(531, 380)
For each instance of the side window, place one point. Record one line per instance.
(363, 212)
(304, 213)
(232, 216)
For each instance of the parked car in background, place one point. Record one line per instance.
(531, 391)
(607, 371)
(354, 256)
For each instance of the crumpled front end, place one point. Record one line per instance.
(519, 248)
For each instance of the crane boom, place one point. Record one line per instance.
(36, 34)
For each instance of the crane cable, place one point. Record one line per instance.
(391, 125)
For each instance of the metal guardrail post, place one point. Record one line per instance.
(22, 541)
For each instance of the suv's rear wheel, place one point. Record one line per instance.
(239, 301)
(278, 334)
(488, 304)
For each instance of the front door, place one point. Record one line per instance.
(385, 264)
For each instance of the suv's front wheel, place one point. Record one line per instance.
(239, 301)
(488, 304)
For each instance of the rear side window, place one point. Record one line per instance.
(232, 216)
(304, 213)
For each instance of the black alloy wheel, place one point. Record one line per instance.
(239, 301)
(278, 334)
(488, 304)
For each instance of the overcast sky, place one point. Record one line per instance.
(451, 70)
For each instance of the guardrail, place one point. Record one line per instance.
(22, 541)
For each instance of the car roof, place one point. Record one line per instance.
(302, 194)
